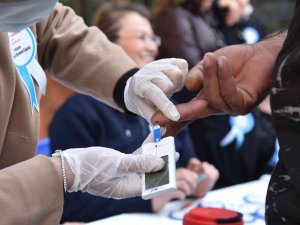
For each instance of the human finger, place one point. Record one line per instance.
(194, 80)
(141, 163)
(195, 165)
(187, 180)
(194, 109)
(229, 90)
(211, 86)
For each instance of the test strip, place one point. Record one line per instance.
(156, 131)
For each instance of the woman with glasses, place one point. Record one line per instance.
(84, 122)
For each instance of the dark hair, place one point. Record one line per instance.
(109, 15)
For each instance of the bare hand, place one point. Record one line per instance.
(231, 80)
(203, 168)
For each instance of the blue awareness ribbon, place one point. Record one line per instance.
(27, 80)
(245, 124)
(240, 126)
(26, 76)
(250, 35)
(274, 159)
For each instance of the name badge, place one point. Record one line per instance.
(23, 49)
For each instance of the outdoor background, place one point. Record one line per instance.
(275, 13)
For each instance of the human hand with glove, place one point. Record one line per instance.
(105, 172)
(149, 89)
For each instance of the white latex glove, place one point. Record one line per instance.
(150, 88)
(106, 172)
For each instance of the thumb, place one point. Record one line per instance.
(141, 163)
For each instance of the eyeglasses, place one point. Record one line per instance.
(146, 38)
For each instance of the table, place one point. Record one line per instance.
(247, 198)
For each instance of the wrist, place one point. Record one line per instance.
(119, 89)
(265, 51)
(69, 174)
(272, 43)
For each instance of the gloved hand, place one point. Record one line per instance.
(106, 172)
(151, 87)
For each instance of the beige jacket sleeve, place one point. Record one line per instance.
(80, 57)
(31, 193)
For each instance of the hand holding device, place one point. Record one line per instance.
(107, 172)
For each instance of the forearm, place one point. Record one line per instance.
(25, 188)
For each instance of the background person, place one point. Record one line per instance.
(229, 87)
(239, 147)
(237, 22)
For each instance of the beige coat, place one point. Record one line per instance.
(83, 59)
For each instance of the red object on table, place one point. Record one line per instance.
(212, 216)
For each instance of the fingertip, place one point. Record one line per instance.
(207, 60)
(160, 119)
(181, 64)
(195, 165)
(194, 80)
(209, 63)
(195, 161)
(156, 163)
(172, 112)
